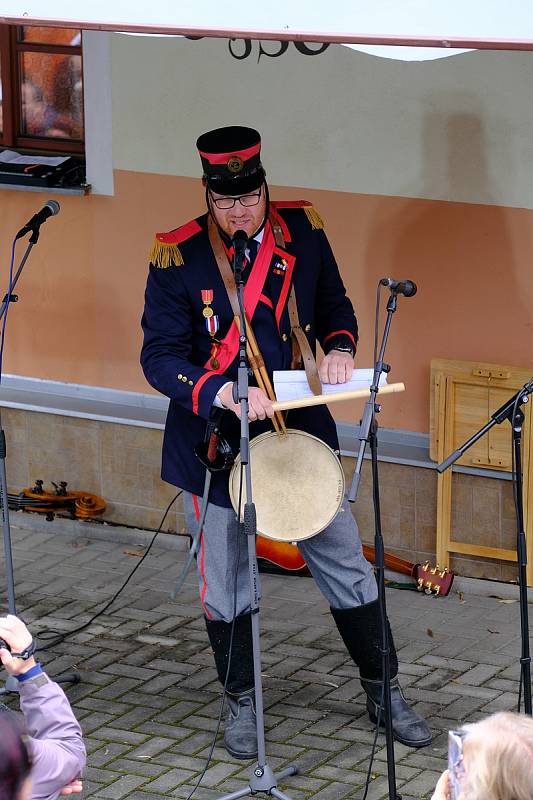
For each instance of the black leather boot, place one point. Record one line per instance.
(240, 733)
(360, 628)
(408, 727)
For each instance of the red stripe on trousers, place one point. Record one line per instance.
(202, 558)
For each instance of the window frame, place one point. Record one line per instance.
(10, 50)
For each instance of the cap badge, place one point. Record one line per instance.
(235, 164)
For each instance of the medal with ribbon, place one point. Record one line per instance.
(211, 319)
(211, 323)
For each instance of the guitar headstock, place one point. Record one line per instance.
(433, 580)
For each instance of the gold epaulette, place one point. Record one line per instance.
(165, 250)
(311, 213)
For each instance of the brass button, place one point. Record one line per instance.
(179, 376)
(307, 328)
(191, 383)
(184, 379)
(284, 337)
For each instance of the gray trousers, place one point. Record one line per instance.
(334, 557)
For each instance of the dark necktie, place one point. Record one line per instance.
(253, 246)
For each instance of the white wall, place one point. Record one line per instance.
(98, 110)
(454, 129)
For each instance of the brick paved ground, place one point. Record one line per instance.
(149, 699)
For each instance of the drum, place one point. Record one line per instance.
(297, 484)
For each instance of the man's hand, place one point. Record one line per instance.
(259, 405)
(441, 789)
(336, 367)
(73, 787)
(17, 636)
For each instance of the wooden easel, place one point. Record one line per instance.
(463, 396)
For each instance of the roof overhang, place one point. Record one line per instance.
(447, 24)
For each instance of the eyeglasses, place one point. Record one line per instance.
(246, 200)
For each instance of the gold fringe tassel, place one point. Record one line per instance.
(314, 217)
(165, 255)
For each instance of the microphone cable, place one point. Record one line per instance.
(60, 637)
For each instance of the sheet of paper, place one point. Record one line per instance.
(12, 157)
(292, 384)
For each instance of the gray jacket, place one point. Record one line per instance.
(54, 737)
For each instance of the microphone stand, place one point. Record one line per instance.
(511, 411)
(369, 433)
(11, 685)
(262, 778)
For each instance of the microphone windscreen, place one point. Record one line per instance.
(54, 207)
(239, 238)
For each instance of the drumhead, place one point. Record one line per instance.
(297, 485)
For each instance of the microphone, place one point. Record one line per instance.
(50, 209)
(407, 288)
(239, 241)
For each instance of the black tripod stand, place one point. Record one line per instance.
(11, 684)
(262, 778)
(369, 434)
(512, 411)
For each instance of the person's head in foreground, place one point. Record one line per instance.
(497, 761)
(15, 765)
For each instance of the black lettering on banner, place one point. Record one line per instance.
(301, 47)
(282, 49)
(247, 48)
(305, 50)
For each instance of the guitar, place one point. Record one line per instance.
(428, 578)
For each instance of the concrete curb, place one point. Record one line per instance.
(97, 531)
(101, 531)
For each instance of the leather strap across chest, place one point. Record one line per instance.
(301, 349)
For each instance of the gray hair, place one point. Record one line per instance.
(498, 754)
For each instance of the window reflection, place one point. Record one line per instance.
(51, 96)
(39, 35)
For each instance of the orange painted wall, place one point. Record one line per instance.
(81, 292)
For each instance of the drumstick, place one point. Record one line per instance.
(319, 399)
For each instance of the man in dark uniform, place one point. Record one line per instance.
(190, 354)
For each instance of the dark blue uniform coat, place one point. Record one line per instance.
(183, 361)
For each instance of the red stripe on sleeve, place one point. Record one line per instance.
(196, 391)
(336, 333)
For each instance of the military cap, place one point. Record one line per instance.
(231, 159)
